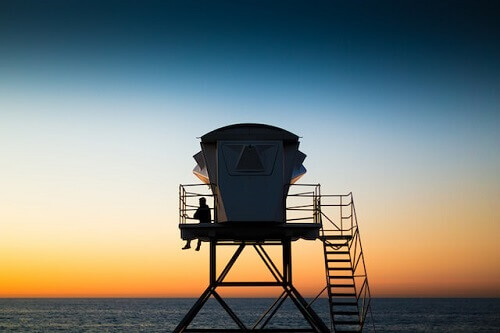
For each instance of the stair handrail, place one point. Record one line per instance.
(366, 285)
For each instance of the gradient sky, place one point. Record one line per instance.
(101, 106)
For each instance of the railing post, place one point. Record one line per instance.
(341, 218)
(352, 216)
(181, 198)
(215, 206)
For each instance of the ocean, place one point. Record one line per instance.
(163, 314)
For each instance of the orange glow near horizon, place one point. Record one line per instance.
(151, 266)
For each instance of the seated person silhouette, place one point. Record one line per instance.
(202, 214)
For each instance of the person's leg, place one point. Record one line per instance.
(198, 246)
(188, 245)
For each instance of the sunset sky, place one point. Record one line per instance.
(101, 106)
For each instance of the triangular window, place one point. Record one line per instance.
(249, 160)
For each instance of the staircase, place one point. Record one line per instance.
(346, 278)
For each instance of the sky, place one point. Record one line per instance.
(102, 105)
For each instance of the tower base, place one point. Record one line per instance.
(283, 278)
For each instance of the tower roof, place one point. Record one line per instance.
(249, 131)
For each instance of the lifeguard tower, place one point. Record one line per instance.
(250, 172)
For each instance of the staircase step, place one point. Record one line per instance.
(340, 285)
(346, 322)
(345, 313)
(344, 294)
(342, 237)
(340, 277)
(335, 302)
(347, 331)
(340, 268)
(338, 260)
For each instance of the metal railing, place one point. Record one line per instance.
(189, 195)
(303, 203)
(338, 210)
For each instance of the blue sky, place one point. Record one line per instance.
(101, 104)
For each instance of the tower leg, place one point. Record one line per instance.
(309, 314)
(194, 310)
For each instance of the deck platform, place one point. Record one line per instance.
(249, 231)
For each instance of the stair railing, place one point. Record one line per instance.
(344, 223)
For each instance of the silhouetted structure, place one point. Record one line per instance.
(248, 171)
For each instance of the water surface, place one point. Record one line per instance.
(163, 314)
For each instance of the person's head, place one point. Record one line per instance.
(203, 201)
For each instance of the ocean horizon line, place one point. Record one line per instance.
(235, 297)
